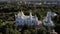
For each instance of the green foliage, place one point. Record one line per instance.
(27, 32)
(42, 30)
(7, 20)
(0, 33)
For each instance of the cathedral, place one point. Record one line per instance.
(22, 19)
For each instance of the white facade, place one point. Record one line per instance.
(21, 19)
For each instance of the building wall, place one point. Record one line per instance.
(29, 21)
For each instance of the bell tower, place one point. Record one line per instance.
(30, 15)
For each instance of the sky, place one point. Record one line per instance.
(30, 0)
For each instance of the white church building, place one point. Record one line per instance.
(22, 19)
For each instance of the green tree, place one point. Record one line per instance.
(27, 32)
(42, 30)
